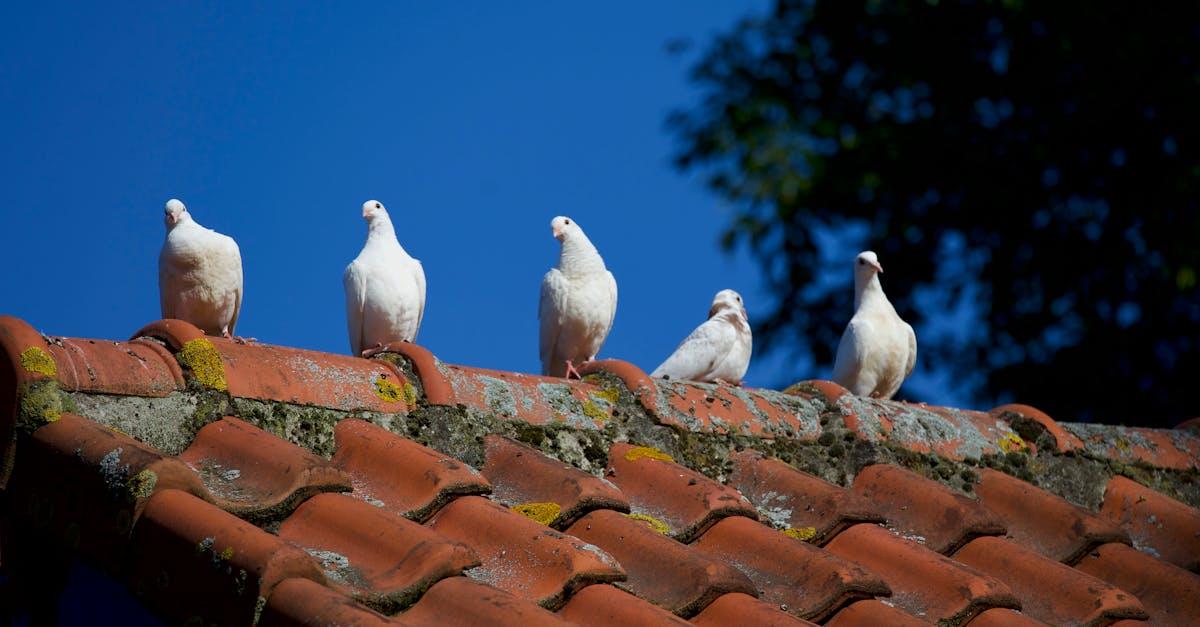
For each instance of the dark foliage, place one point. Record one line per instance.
(1039, 160)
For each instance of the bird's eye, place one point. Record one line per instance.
(378, 206)
(566, 221)
(861, 262)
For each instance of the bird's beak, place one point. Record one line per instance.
(171, 219)
(877, 266)
(557, 231)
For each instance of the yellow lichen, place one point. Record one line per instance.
(804, 534)
(37, 360)
(227, 554)
(387, 390)
(638, 452)
(202, 358)
(544, 513)
(593, 411)
(610, 394)
(1011, 443)
(43, 402)
(651, 522)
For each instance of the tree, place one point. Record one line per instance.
(1035, 163)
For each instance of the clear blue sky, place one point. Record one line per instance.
(473, 126)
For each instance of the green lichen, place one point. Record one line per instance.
(388, 391)
(36, 360)
(609, 393)
(43, 402)
(651, 522)
(410, 394)
(227, 554)
(803, 534)
(141, 485)
(639, 452)
(201, 357)
(544, 513)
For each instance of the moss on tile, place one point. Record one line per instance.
(804, 534)
(543, 513)
(652, 522)
(202, 359)
(36, 360)
(41, 403)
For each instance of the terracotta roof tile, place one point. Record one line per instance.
(1004, 617)
(743, 609)
(1049, 590)
(1042, 521)
(383, 560)
(712, 408)
(875, 613)
(810, 582)
(462, 601)
(305, 603)
(1020, 415)
(96, 438)
(604, 605)
(523, 477)
(661, 570)
(521, 556)
(1162, 448)
(1157, 523)
(74, 466)
(193, 561)
(104, 367)
(684, 500)
(816, 509)
(952, 433)
(924, 510)
(531, 398)
(1170, 594)
(254, 474)
(925, 584)
(400, 475)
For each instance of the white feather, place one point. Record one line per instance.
(717, 350)
(878, 349)
(578, 302)
(199, 274)
(385, 287)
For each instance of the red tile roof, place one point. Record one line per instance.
(252, 483)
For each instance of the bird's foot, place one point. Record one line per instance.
(572, 373)
(373, 351)
(237, 338)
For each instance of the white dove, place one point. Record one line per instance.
(199, 274)
(878, 349)
(385, 288)
(716, 351)
(578, 302)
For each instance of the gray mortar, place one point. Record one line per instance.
(169, 424)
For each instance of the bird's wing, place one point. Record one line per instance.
(550, 307)
(236, 254)
(612, 314)
(852, 351)
(700, 352)
(912, 350)
(419, 274)
(355, 282)
(166, 290)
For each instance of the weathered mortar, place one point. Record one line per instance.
(170, 423)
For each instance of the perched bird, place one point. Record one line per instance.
(878, 349)
(385, 288)
(716, 351)
(578, 302)
(199, 274)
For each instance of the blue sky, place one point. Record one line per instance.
(473, 126)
